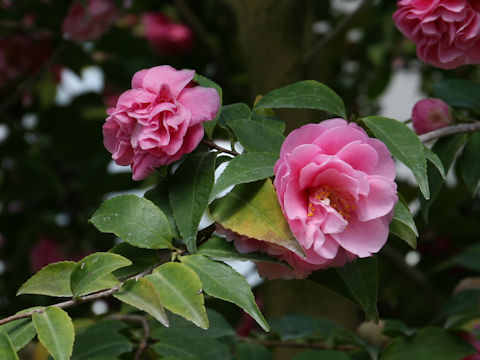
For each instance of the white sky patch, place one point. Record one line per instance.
(91, 80)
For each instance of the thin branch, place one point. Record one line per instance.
(450, 130)
(342, 26)
(212, 145)
(146, 330)
(297, 345)
(80, 299)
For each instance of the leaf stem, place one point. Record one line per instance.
(212, 145)
(450, 130)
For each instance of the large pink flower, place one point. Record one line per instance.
(447, 33)
(159, 119)
(336, 188)
(90, 22)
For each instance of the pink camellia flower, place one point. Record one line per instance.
(90, 22)
(336, 188)
(165, 36)
(159, 119)
(447, 33)
(430, 114)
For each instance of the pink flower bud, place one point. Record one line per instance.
(430, 114)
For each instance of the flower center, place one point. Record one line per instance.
(343, 203)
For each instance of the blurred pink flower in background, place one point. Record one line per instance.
(166, 36)
(472, 338)
(430, 114)
(159, 119)
(447, 33)
(44, 252)
(90, 22)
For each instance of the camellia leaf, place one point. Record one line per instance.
(403, 224)
(55, 331)
(209, 126)
(469, 164)
(180, 291)
(431, 343)
(141, 259)
(356, 281)
(307, 94)
(459, 92)
(188, 347)
(269, 120)
(404, 145)
(245, 168)
(136, 220)
(446, 149)
(221, 281)
(250, 351)
(221, 249)
(51, 280)
(159, 196)
(101, 340)
(322, 354)
(190, 190)
(232, 112)
(143, 295)
(257, 136)
(293, 326)
(253, 210)
(20, 332)
(435, 160)
(91, 269)
(7, 351)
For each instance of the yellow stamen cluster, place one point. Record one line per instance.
(342, 202)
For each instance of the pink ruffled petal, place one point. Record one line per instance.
(165, 74)
(203, 103)
(380, 200)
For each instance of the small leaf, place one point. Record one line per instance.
(322, 354)
(245, 168)
(356, 281)
(250, 351)
(435, 160)
(459, 92)
(403, 224)
(51, 280)
(101, 340)
(55, 331)
(404, 144)
(143, 295)
(253, 210)
(431, 343)
(256, 136)
(221, 249)
(136, 220)
(469, 164)
(234, 112)
(190, 190)
(91, 269)
(159, 196)
(307, 94)
(7, 351)
(221, 281)
(20, 332)
(141, 259)
(209, 126)
(180, 291)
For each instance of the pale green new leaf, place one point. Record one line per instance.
(7, 351)
(55, 331)
(180, 291)
(221, 281)
(94, 269)
(20, 332)
(142, 294)
(135, 220)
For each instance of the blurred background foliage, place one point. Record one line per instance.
(54, 170)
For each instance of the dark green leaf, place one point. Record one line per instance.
(180, 291)
(307, 94)
(245, 168)
(404, 144)
(190, 190)
(221, 249)
(101, 340)
(271, 121)
(234, 112)
(52, 280)
(7, 351)
(253, 210)
(435, 160)
(295, 326)
(91, 269)
(55, 331)
(395, 327)
(459, 92)
(186, 347)
(469, 258)
(322, 354)
(469, 164)
(430, 343)
(209, 126)
(20, 332)
(159, 196)
(257, 136)
(136, 220)
(249, 351)
(221, 281)
(141, 259)
(464, 302)
(357, 281)
(403, 224)
(446, 149)
(142, 294)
